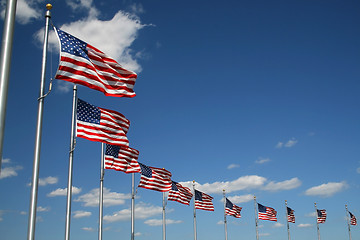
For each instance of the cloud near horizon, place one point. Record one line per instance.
(327, 189)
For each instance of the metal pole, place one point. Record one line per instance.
(348, 221)
(194, 212)
(36, 164)
(101, 193)
(256, 219)
(287, 220)
(70, 171)
(317, 224)
(164, 220)
(132, 206)
(225, 222)
(5, 62)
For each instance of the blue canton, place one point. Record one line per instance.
(261, 208)
(173, 186)
(112, 150)
(145, 170)
(72, 45)
(229, 204)
(198, 195)
(87, 112)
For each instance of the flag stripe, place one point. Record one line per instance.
(180, 194)
(125, 160)
(321, 216)
(157, 179)
(266, 213)
(231, 209)
(203, 201)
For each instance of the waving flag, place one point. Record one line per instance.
(321, 216)
(179, 193)
(158, 179)
(81, 63)
(101, 125)
(203, 201)
(267, 213)
(122, 159)
(290, 215)
(231, 209)
(352, 219)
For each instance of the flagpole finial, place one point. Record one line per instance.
(48, 6)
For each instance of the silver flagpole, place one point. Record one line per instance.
(194, 211)
(5, 62)
(70, 171)
(256, 219)
(317, 224)
(101, 192)
(164, 220)
(348, 221)
(287, 220)
(225, 222)
(36, 164)
(132, 206)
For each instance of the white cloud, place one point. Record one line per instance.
(88, 229)
(242, 183)
(5, 160)
(241, 198)
(290, 143)
(26, 11)
(284, 185)
(48, 180)
(277, 225)
(23, 213)
(10, 171)
(42, 209)
(63, 192)
(231, 166)
(83, 5)
(137, 234)
(264, 234)
(158, 222)
(262, 160)
(81, 214)
(279, 145)
(142, 211)
(327, 189)
(304, 225)
(91, 199)
(221, 222)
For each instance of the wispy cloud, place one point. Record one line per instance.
(262, 160)
(241, 198)
(26, 11)
(327, 189)
(42, 209)
(142, 211)
(284, 185)
(47, 181)
(91, 199)
(277, 225)
(10, 171)
(158, 222)
(63, 192)
(88, 229)
(290, 143)
(304, 225)
(81, 214)
(231, 166)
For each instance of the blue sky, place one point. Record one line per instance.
(254, 97)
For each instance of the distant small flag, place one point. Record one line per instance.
(179, 193)
(203, 201)
(122, 159)
(101, 125)
(158, 179)
(267, 213)
(84, 64)
(290, 215)
(321, 216)
(231, 209)
(352, 219)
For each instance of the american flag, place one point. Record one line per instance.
(290, 215)
(203, 201)
(84, 64)
(179, 193)
(267, 213)
(158, 179)
(231, 209)
(352, 219)
(122, 159)
(101, 125)
(321, 215)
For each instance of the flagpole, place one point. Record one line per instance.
(36, 164)
(317, 224)
(101, 192)
(6, 48)
(225, 222)
(256, 219)
(70, 171)
(287, 220)
(132, 206)
(194, 212)
(348, 221)
(164, 220)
